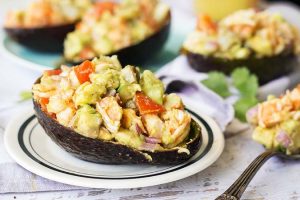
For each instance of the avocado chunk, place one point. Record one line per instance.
(87, 121)
(104, 63)
(110, 79)
(173, 101)
(103, 45)
(128, 91)
(261, 46)
(88, 93)
(74, 43)
(152, 86)
(128, 83)
(130, 74)
(264, 136)
(129, 138)
(291, 129)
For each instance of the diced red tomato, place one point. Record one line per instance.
(43, 102)
(83, 71)
(146, 105)
(101, 7)
(52, 72)
(206, 24)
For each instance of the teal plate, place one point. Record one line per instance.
(41, 61)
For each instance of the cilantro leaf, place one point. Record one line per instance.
(243, 105)
(246, 83)
(217, 82)
(239, 75)
(25, 95)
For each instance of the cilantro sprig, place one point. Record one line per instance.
(217, 82)
(244, 82)
(25, 95)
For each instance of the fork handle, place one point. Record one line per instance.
(235, 191)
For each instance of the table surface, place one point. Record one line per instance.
(277, 180)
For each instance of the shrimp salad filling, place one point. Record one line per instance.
(277, 122)
(109, 26)
(243, 34)
(101, 100)
(43, 13)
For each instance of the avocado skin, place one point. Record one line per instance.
(139, 53)
(44, 39)
(108, 152)
(266, 69)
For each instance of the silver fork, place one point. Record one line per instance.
(236, 190)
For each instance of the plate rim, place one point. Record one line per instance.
(22, 159)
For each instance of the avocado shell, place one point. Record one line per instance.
(44, 39)
(110, 152)
(139, 53)
(266, 69)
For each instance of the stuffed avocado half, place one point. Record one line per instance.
(101, 112)
(277, 122)
(134, 30)
(44, 24)
(262, 41)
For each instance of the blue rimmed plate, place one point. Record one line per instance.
(29, 146)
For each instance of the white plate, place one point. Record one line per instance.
(29, 146)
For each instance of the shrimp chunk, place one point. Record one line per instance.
(273, 112)
(111, 113)
(64, 117)
(177, 127)
(56, 104)
(132, 122)
(154, 125)
(47, 86)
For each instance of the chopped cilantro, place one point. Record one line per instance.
(245, 82)
(243, 105)
(217, 82)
